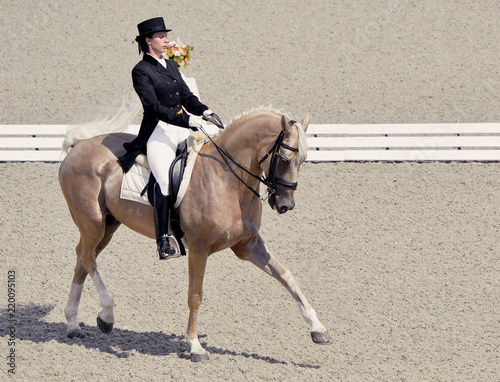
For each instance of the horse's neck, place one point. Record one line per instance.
(246, 141)
(246, 144)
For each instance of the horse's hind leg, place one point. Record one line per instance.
(71, 311)
(85, 251)
(257, 253)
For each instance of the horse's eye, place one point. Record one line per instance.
(285, 161)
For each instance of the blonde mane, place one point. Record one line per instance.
(262, 109)
(270, 110)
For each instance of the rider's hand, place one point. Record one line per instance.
(207, 113)
(195, 122)
(210, 116)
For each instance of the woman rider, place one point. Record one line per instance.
(165, 98)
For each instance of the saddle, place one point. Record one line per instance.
(114, 142)
(176, 173)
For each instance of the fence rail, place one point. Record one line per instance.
(404, 142)
(397, 142)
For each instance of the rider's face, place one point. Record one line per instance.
(157, 43)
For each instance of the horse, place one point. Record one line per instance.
(222, 208)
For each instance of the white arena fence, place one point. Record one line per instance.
(326, 142)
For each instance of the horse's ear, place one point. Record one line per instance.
(306, 120)
(285, 126)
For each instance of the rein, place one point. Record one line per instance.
(271, 181)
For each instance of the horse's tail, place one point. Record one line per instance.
(103, 124)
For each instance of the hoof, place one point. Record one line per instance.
(199, 357)
(322, 338)
(105, 327)
(76, 334)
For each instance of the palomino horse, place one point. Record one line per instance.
(218, 211)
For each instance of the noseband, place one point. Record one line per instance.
(271, 181)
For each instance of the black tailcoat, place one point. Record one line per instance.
(165, 97)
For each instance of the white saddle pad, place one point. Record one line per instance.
(137, 177)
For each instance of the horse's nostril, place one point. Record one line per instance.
(283, 209)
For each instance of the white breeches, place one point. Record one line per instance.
(161, 149)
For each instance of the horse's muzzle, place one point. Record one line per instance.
(281, 204)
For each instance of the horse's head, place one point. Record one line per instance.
(285, 158)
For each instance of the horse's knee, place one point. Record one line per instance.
(195, 300)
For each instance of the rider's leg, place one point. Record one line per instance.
(161, 149)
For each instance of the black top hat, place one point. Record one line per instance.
(151, 26)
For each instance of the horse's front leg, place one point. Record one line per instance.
(257, 253)
(197, 264)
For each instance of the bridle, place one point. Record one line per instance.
(271, 181)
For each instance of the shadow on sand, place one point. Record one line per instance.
(29, 326)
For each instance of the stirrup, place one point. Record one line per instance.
(172, 248)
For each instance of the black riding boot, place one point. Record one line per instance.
(162, 214)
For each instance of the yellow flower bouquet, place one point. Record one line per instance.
(178, 53)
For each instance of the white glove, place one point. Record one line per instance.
(207, 113)
(195, 121)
